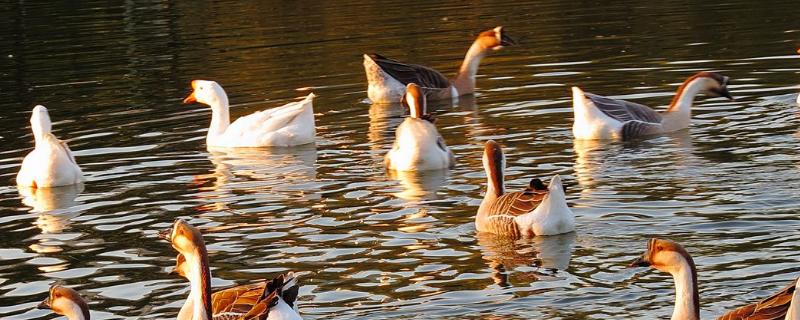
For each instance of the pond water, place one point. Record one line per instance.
(368, 244)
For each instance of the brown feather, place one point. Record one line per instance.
(407, 73)
(772, 307)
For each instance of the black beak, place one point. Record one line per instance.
(506, 40)
(639, 262)
(165, 234)
(725, 93)
(44, 304)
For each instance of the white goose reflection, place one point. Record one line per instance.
(49, 199)
(270, 172)
(422, 185)
(548, 255)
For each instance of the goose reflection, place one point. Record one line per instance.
(49, 199)
(419, 185)
(285, 172)
(547, 254)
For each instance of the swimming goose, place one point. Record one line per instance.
(671, 257)
(51, 162)
(388, 78)
(598, 117)
(417, 144)
(289, 125)
(240, 299)
(539, 210)
(188, 241)
(66, 302)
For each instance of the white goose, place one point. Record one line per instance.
(418, 145)
(539, 210)
(671, 257)
(288, 125)
(51, 162)
(598, 117)
(388, 78)
(253, 301)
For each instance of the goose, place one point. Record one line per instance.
(269, 305)
(388, 78)
(539, 210)
(418, 145)
(669, 256)
(51, 163)
(66, 302)
(289, 125)
(599, 118)
(239, 299)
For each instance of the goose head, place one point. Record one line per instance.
(495, 39)
(207, 92)
(415, 100)
(184, 237)
(664, 255)
(713, 84)
(494, 163)
(66, 302)
(40, 121)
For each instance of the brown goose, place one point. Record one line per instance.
(538, 210)
(388, 78)
(188, 241)
(239, 299)
(671, 257)
(66, 302)
(598, 117)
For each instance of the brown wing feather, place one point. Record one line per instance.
(504, 225)
(517, 203)
(773, 307)
(237, 300)
(411, 73)
(624, 111)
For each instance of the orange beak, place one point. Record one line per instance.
(191, 98)
(798, 50)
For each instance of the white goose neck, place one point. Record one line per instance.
(794, 307)
(686, 306)
(465, 80)
(198, 286)
(220, 116)
(74, 312)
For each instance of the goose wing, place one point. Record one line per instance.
(237, 300)
(517, 203)
(411, 73)
(624, 111)
(772, 307)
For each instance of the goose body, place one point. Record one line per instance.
(671, 257)
(387, 78)
(51, 163)
(600, 118)
(418, 145)
(539, 210)
(265, 301)
(289, 125)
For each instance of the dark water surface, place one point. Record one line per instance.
(373, 246)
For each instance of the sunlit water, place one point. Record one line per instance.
(370, 245)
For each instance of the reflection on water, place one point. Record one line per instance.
(49, 199)
(540, 258)
(419, 185)
(370, 245)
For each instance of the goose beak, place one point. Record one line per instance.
(723, 92)
(798, 51)
(506, 40)
(44, 304)
(639, 262)
(165, 234)
(191, 98)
